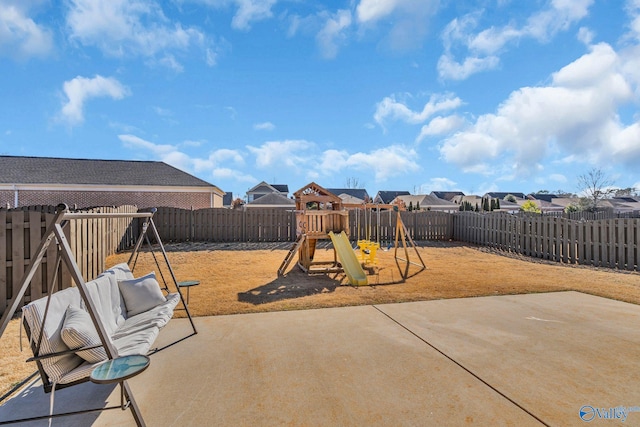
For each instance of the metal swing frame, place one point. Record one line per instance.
(55, 232)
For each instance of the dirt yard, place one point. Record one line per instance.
(242, 278)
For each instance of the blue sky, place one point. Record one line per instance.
(416, 95)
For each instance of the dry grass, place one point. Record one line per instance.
(243, 279)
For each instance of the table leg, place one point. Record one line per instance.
(135, 410)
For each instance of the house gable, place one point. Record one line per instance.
(263, 188)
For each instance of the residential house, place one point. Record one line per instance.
(386, 197)
(447, 195)
(263, 189)
(502, 195)
(427, 202)
(272, 200)
(26, 181)
(505, 205)
(351, 197)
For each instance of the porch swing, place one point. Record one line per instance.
(126, 312)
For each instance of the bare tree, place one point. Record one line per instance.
(595, 186)
(354, 183)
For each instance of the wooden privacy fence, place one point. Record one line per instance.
(91, 240)
(225, 225)
(612, 243)
(279, 225)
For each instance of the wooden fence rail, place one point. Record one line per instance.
(91, 240)
(612, 243)
(279, 225)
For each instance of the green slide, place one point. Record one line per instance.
(348, 259)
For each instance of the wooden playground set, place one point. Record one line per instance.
(321, 215)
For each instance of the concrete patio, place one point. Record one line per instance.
(537, 359)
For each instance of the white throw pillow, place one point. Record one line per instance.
(141, 294)
(78, 331)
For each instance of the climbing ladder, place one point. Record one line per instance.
(292, 252)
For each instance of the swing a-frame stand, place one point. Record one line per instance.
(54, 234)
(402, 233)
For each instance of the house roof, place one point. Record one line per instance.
(272, 199)
(264, 188)
(358, 193)
(388, 196)
(502, 195)
(283, 188)
(426, 200)
(51, 170)
(447, 195)
(544, 196)
(348, 199)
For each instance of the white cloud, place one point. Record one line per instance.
(576, 114)
(264, 126)
(220, 164)
(373, 10)
(633, 11)
(80, 89)
(20, 36)
(250, 11)
(585, 35)
(385, 162)
(130, 28)
(449, 68)
(408, 20)
(439, 184)
(332, 35)
(233, 174)
(483, 47)
(392, 109)
(559, 178)
(559, 17)
(440, 126)
(170, 62)
(288, 153)
(159, 150)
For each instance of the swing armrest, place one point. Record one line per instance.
(61, 353)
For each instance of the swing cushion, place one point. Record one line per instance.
(78, 331)
(141, 294)
(130, 334)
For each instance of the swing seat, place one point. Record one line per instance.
(132, 312)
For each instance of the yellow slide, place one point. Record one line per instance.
(348, 259)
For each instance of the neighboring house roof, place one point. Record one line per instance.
(350, 200)
(548, 206)
(427, 201)
(388, 196)
(625, 204)
(272, 200)
(358, 193)
(60, 171)
(283, 188)
(544, 196)
(505, 206)
(264, 188)
(502, 195)
(447, 195)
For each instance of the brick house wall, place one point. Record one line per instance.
(82, 199)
